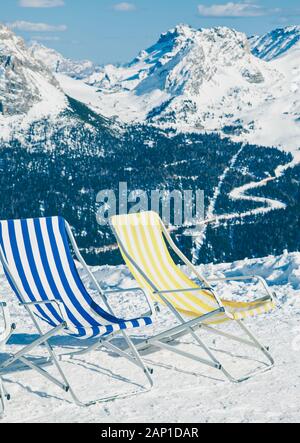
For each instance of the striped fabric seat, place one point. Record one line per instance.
(145, 252)
(41, 267)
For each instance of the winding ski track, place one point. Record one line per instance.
(241, 193)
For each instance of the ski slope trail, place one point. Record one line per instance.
(200, 234)
(218, 189)
(265, 205)
(241, 194)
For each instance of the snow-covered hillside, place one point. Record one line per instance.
(203, 80)
(278, 118)
(187, 78)
(270, 397)
(28, 90)
(57, 63)
(35, 112)
(275, 43)
(24, 81)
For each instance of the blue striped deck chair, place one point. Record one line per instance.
(5, 333)
(37, 258)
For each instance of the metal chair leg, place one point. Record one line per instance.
(3, 397)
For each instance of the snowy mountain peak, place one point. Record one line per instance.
(205, 80)
(9, 40)
(177, 80)
(185, 33)
(24, 80)
(184, 37)
(185, 58)
(181, 56)
(168, 45)
(181, 30)
(275, 43)
(189, 80)
(57, 63)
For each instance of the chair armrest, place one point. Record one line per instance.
(8, 326)
(59, 304)
(41, 303)
(271, 296)
(218, 301)
(149, 313)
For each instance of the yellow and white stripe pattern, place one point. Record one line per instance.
(141, 238)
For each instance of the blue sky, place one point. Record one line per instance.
(115, 30)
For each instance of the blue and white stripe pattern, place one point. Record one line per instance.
(42, 268)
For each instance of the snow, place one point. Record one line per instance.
(117, 106)
(190, 80)
(202, 81)
(28, 90)
(52, 102)
(184, 390)
(275, 43)
(279, 117)
(56, 62)
(184, 64)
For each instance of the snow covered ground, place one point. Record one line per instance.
(184, 390)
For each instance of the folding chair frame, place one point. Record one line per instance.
(4, 337)
(165, 339)
(132, 355)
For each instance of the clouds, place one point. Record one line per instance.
(46, 38)
(21, 25)
(41, 3)
(124, 7)
(27, 26)
(235, 10)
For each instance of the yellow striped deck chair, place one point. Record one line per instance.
(143, 239)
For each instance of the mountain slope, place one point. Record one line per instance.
(187, 76)
(275, 43)
(24, 81)
(57, 63)
(28, 90)
(279, 117)
(203, 80)
(35, 113)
